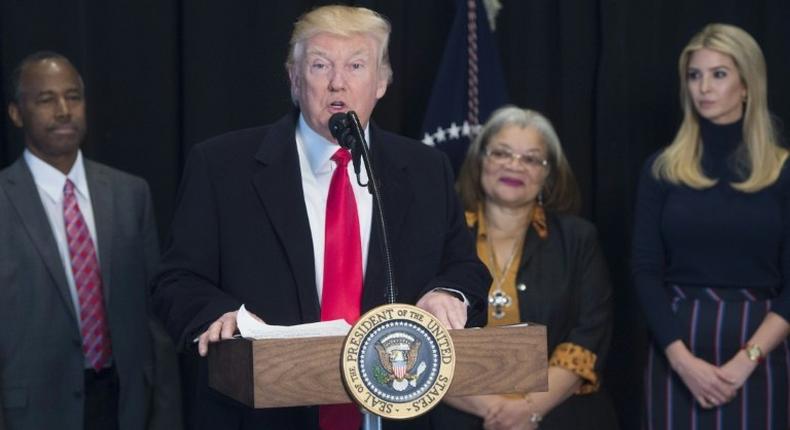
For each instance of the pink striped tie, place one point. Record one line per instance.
(87, 280)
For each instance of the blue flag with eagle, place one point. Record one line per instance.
(469, 85)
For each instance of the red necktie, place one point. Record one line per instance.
(87, 280)
(342, 291)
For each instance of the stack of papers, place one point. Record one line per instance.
(252, 328)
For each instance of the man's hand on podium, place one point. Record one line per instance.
(446, 307)
(222, 328)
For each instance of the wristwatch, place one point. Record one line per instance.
(754, 353)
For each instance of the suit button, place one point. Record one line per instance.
(522, 287)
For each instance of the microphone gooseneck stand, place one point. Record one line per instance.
(373, 187)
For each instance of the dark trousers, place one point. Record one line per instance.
(101, 399)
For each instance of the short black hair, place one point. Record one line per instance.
(14, 89)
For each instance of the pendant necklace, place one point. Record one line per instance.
(497, 298)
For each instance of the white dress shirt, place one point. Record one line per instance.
(316, 165)
(50, 182)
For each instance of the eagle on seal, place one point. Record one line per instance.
(397, 360)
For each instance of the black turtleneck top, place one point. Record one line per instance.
(715, 237)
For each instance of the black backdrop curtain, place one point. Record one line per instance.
(164, 75)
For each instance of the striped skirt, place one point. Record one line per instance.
(716, 323)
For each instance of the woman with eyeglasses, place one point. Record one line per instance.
(711, 251)
(520, 196)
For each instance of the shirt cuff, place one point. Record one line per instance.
(461, 296)
(580, 361)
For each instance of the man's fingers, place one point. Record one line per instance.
(228, 327)
(214, 331)
(457, 317)
(223, 328)
(447, 317)
(445, 307)
(440, 315)
(203, 344)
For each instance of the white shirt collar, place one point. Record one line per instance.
(52, 180)
(318, 150)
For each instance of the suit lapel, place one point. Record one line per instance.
(396, 196)
(102, 202)
(278, 183)
(24, 196)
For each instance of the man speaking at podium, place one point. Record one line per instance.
(273, 218)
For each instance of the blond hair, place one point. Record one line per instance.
(338, 20)
(679, 163)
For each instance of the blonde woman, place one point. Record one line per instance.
(711, 251)
(520, 195)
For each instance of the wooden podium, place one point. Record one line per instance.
(306, 371)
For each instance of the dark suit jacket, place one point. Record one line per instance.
(41, 360)
(241, 236)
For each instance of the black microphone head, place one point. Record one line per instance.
(338, 124)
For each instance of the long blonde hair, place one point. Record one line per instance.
(679, 163)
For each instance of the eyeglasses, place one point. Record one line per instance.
(503, 156)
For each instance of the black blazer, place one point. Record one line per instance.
(241, 236)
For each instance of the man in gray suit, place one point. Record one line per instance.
(78, 244)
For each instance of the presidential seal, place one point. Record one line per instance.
(398, 361)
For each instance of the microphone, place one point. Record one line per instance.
(346, 128)
(339, 127)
